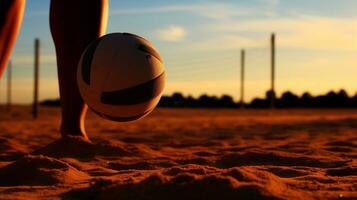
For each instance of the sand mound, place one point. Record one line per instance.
(39, 170)
(345, 171)
(199, 182)
(342, 144)
(81, 148)
(257, 157)
(130, 166)
(203, 182)
(286, 172)
(189, 184)
(11, 150)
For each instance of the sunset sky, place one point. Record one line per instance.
(200, 42)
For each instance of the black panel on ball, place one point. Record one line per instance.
(87, 60)
(137, 94)
(121, 119)
(150, 51)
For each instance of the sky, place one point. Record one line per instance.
(200, 41)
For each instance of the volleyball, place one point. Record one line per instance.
(121, 76)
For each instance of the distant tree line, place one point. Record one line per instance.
(178, 100)
(288, 99)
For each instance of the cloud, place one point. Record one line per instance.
(209, 10)
(304, 32)
(272, 2)
(228, 42)
(171, 33)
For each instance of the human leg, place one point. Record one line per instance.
(74, 24)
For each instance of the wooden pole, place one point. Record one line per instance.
(9, 77)
(36, 74)
(272, 91)
(242, 62)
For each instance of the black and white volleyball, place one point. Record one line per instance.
(121, 76)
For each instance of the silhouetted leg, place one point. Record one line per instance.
(11, 12)
(74, 24)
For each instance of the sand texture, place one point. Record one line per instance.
(182, 154)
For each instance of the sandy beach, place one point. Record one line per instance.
(182, 154)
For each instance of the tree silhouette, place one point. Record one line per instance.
(306, 100)
(288, 100)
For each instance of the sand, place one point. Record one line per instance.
(182, 154)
